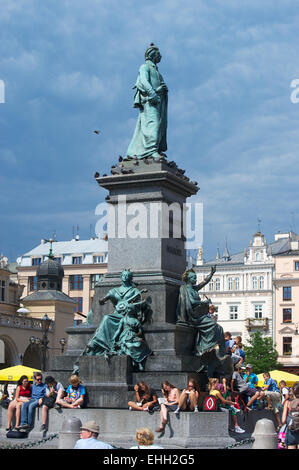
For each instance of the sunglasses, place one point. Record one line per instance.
(38, 379)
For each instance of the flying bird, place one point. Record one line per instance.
(97, 132)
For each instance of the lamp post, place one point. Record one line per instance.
(43, 343)
(46, 322)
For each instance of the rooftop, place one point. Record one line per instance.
(93, 245)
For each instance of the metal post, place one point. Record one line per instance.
(70, 433)
(264, 435)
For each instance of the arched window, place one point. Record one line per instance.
(230, 283)
(254, 282)
(237, 283)
(211, 285)
(258, 256)
(217, 283)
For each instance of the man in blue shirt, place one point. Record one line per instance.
(89, 437)
(272, 395)
(38, 392)
(249, 377)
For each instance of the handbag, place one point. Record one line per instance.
(49, 401)
(5, 403)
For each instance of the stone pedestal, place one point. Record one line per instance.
(150, 195)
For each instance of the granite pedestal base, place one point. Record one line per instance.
(118, 427)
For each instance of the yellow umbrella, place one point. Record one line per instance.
(279, 375)
(13, 374)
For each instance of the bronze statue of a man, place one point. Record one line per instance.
(149, 139)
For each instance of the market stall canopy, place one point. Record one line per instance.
(279, 375)
(13, 374)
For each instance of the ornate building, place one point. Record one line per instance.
(84, 263)
(47, 310)
(242, 287)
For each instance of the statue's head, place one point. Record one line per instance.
(126, 275)
(189, 276)
(152, 53)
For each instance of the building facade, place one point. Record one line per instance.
(84, 263)
(242, 287)
(10, 293)
(286, 285)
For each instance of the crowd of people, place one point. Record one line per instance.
(47, 394)
(241, 392)
(176, 401)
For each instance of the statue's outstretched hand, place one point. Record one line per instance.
(213, 269)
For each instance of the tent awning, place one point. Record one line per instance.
(13, 374)
(279, 375)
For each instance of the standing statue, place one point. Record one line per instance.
(120, 332)
(149, 139)
(192, 311)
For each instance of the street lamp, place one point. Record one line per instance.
(43, 343)
(46, 322)
(62, 341)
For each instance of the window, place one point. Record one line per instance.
(237, 283)
(2, 291)
(258, 256)
(233, 312)
(79, 304)
(258, 311)
(98, 259)
(296, 265)
(211, 285)
(254, 282)
(77, 260)
(94, 278)
(217, 283)
(261, 282)
(58, 259)
(77, 322)
(76, 282)
(287, 293)
(36, 261)
(287, 346)
(286, 315)
(230, 283)
(32, 283)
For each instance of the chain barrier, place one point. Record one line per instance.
(240, 443)
(27, 445)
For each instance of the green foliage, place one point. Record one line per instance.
(261, 353)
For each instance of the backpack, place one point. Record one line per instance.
(281, 438)
(210, 403)
(16, 434)
(240, 403)
(294, 415)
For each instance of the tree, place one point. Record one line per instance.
(261, 353)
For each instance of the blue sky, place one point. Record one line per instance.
(69, 67)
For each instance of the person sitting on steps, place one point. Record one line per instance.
(145, 397)
(171, 396)
(189, 397)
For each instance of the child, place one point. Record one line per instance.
(75, 394)
(225, 403)
(284, 391)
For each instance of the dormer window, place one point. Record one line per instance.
(98, 259)
(77, 260)
(36, 261)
